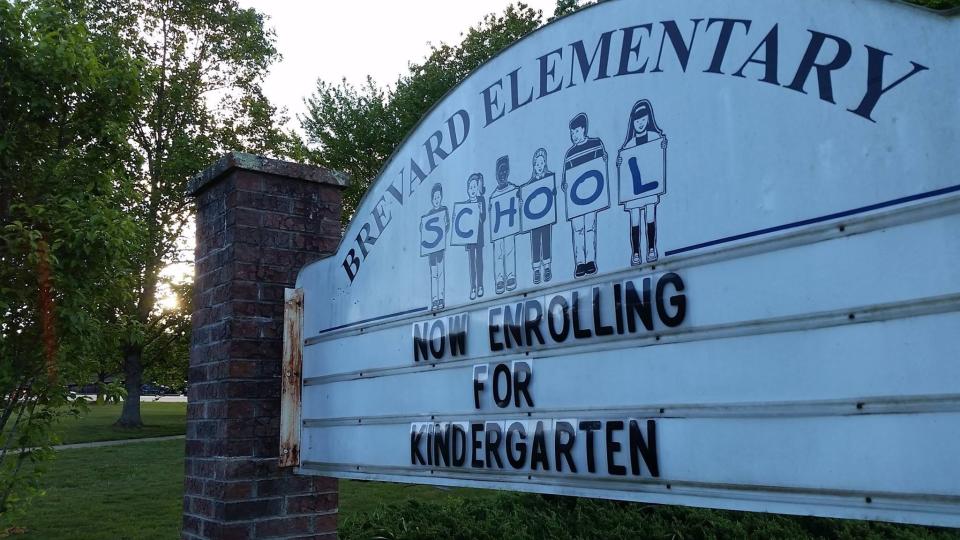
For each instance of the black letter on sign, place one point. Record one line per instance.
(502, 401)
(351, 265)
(479, 377)
(547, 73)
(647, 449)
(420, 350)
(458, 445)
(560, 335)
(475, 443)
(493, 437)
(875, 88)
(618, 305)
(628, 48)
(671, 30)
(522, 375)
(364, 238)
(490, 103)
(601, 329)
(769, 61)
(538, 454)
(441, 444)
(563, 448)
(517, 461)
(494, 330)
(458, 334)
(531, 324)
(438, 339)
(809, 62)
(678, 300)
(416, 437)
(511, 325)
(578, 333)
(590, 426)
(726, 29)
(613, 447)
(637, 306)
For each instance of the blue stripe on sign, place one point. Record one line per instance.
(718, 241)
(820, 219)
(373, 319)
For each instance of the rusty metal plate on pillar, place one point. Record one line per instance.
(292, 368)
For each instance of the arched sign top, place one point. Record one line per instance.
(769, 115)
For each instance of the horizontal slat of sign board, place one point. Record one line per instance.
(854, 405)
(844, 317)
(750, 246)
(853, 505)
(842, 362)
(832, 454)
(798, 281)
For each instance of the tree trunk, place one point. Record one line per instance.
(133, 355)
(133, 375)
(101, 381)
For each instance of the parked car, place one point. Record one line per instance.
(155, 390)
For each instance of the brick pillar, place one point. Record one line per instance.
(258, 222)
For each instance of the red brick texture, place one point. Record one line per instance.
(255, 230)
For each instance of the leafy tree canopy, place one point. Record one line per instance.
(66, 96)
(356, 129)
(201, 65)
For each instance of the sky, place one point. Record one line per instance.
(334, 40)
(349, 40)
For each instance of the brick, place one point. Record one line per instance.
(248, 510)
(255, 231)
(326, 523)
(284, 526)
(249, 181)
(241, 409)
(303, 504)
(192, 524)
(234, 491)
(291, 485)
(231, 531)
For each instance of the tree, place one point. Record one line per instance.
(937, 4)
(201, 66)
(65, 99)
(565, 7)
(355, 130)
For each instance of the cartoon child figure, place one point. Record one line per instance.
(541, 237)
(504, 249)
(475, 192)
(584, 227)
(437, 283)
(641, 129)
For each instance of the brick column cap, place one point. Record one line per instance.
(277, 167)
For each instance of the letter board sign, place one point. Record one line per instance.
(675, 252)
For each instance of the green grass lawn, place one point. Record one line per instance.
(96, 424)
(135, 491)
(359, 498)
(113, 492)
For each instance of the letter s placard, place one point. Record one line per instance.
(432, 235)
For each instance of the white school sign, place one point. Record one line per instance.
(738, 286)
